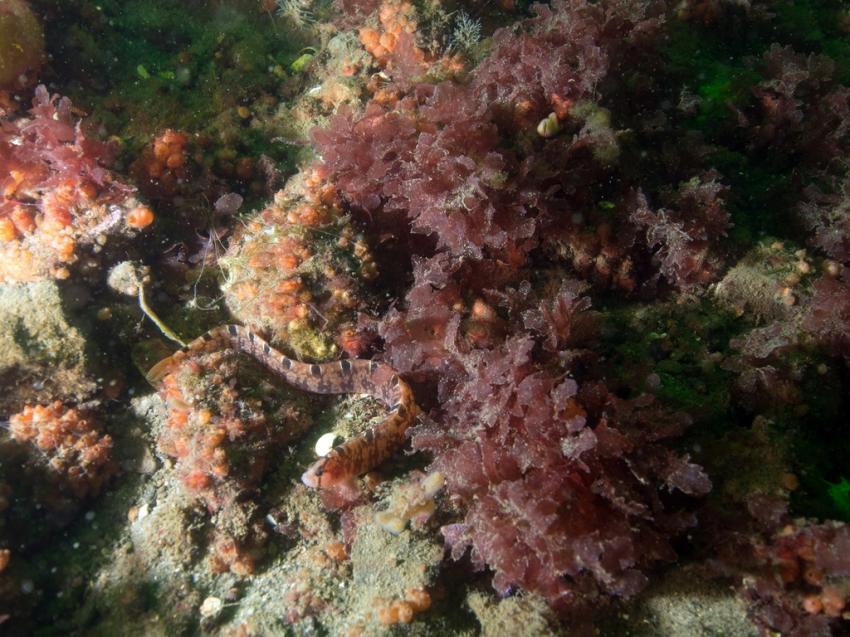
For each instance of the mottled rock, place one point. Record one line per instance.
(526, 614)
(42, 354)
(685, 602)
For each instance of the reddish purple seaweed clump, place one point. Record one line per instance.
(57, 196)
(563, 484)
(559, 497)
(566, 489)
(828, 317)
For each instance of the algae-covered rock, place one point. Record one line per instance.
(42, 354)
(21, 44)
(389, 582)
(526, 614)
(768, 283)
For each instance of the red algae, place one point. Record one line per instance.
(58, 199)
(804, 580)
(542, 231)
(828, 316)
(559, 481)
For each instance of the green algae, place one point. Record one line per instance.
(672, 350)
(839, 493)
(818, 431)
(716, 64)
(185, 66)
(683, 353)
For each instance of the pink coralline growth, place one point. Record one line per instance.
(57, 196)
(78, 457)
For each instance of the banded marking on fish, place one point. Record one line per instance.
(348, 376)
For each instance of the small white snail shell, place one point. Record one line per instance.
(326, 443)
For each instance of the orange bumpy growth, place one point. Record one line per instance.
(56, 195)
(163, 164)
(297, 263)
(221, 447)
(396, 17)
(75, 450)
(140, 217)
(393, 43)
(402, 611)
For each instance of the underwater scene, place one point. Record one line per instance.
(493, 318)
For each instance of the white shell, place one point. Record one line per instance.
(211, 607)
(325, 444)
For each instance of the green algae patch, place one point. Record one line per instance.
(717, 68)
(839, 493)
(674, 351)
(185, 66)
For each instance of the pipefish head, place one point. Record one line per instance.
(326, 474)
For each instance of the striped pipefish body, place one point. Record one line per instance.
(348, 376)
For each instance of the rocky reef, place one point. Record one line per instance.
(605, 243)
